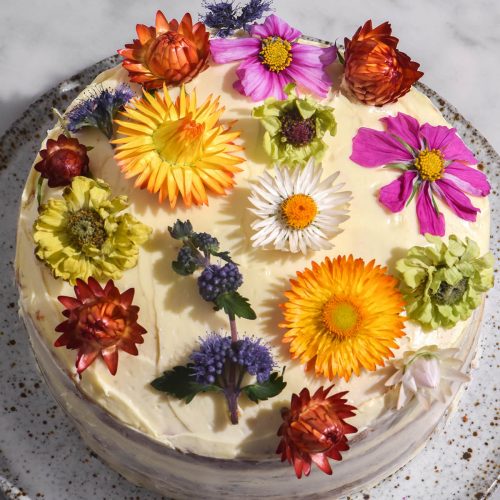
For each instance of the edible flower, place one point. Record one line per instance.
(343, 315)
(434, 162)
(62, 160)
(295, 127)
(443, 283)
(376, 72)
(225, 17)
(98, 109)
(177, 147)
(169, 53)
(297, 210)
(100, 322)
(426, 374)
(314, 429)
(273, 57)
(83, 235)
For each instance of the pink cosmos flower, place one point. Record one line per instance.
(434, 161)
(272, 58)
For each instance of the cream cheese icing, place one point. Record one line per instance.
(175, 316)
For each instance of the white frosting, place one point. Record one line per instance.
(175, 316)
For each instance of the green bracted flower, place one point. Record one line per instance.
(442, 284)
(294, 128)
(81, 235)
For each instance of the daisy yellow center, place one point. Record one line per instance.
(276, 53)
(179, 142)
(299, 211)
(430, 164)
(341, 317)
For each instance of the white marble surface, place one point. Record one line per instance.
(457, 43)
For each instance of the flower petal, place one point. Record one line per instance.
(468, 179)
(228, 50)
(275, 26)
(258, 83)
(395, 195)
(313, 79)
(309, 55)
(429, 221)
(448, 142)
(403, 126)
(458, 202)
(373, 148)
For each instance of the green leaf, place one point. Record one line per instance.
(235, 305)
(182, 269)
(181, 230)
(222, 255)
(266, 390)
(181, 384)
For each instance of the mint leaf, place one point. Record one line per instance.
(266, 390)
(181, 230)
(234, 305)
(181, 384)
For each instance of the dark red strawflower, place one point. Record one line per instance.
(314, 430)
(377, 72)
(100, 321)
(62, 160)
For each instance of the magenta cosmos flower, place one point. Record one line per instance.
(434, 161)
(272, 58)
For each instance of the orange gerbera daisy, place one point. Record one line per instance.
(177, 147)
(343, 315)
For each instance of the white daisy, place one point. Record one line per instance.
(296, 210)
(426, 374)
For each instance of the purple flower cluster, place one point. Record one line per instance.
(255, 356)
(216, 280)
(224, 17)
(99, 110)
(248, 353)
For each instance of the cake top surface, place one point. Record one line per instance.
(173, 314)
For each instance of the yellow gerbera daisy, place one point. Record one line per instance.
(343, 315)
(176, 147)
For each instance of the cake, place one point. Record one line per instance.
(185, 180)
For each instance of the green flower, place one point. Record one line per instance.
(442, 284)
(294, 128)
(81, 235)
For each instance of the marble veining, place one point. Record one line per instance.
(42, 43)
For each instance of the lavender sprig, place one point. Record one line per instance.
(225, 17)
(221, 362)
(99, 109)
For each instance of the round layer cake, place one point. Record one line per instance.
(180, 449)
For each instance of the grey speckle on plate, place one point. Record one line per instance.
(42, 455)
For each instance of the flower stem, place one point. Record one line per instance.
(234, 331)
(39, 186)
(232, 403)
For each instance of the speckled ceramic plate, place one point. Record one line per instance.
(41, 453)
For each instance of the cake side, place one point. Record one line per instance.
(175, 318)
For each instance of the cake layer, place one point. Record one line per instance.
(175, 316)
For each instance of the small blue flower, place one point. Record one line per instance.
(254, 356)
(209, 361)
(99, 109)
(223, 16)
(216, 280)
(249, 353)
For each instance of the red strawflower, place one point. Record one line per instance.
(376, 71)
(62, 160)
(100, 321)
(314, 430)
(169, 52)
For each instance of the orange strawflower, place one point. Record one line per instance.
(100, 322)
(170, 52)
(343, 315)
(177, 147)
(314, 430)
(376, 71)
